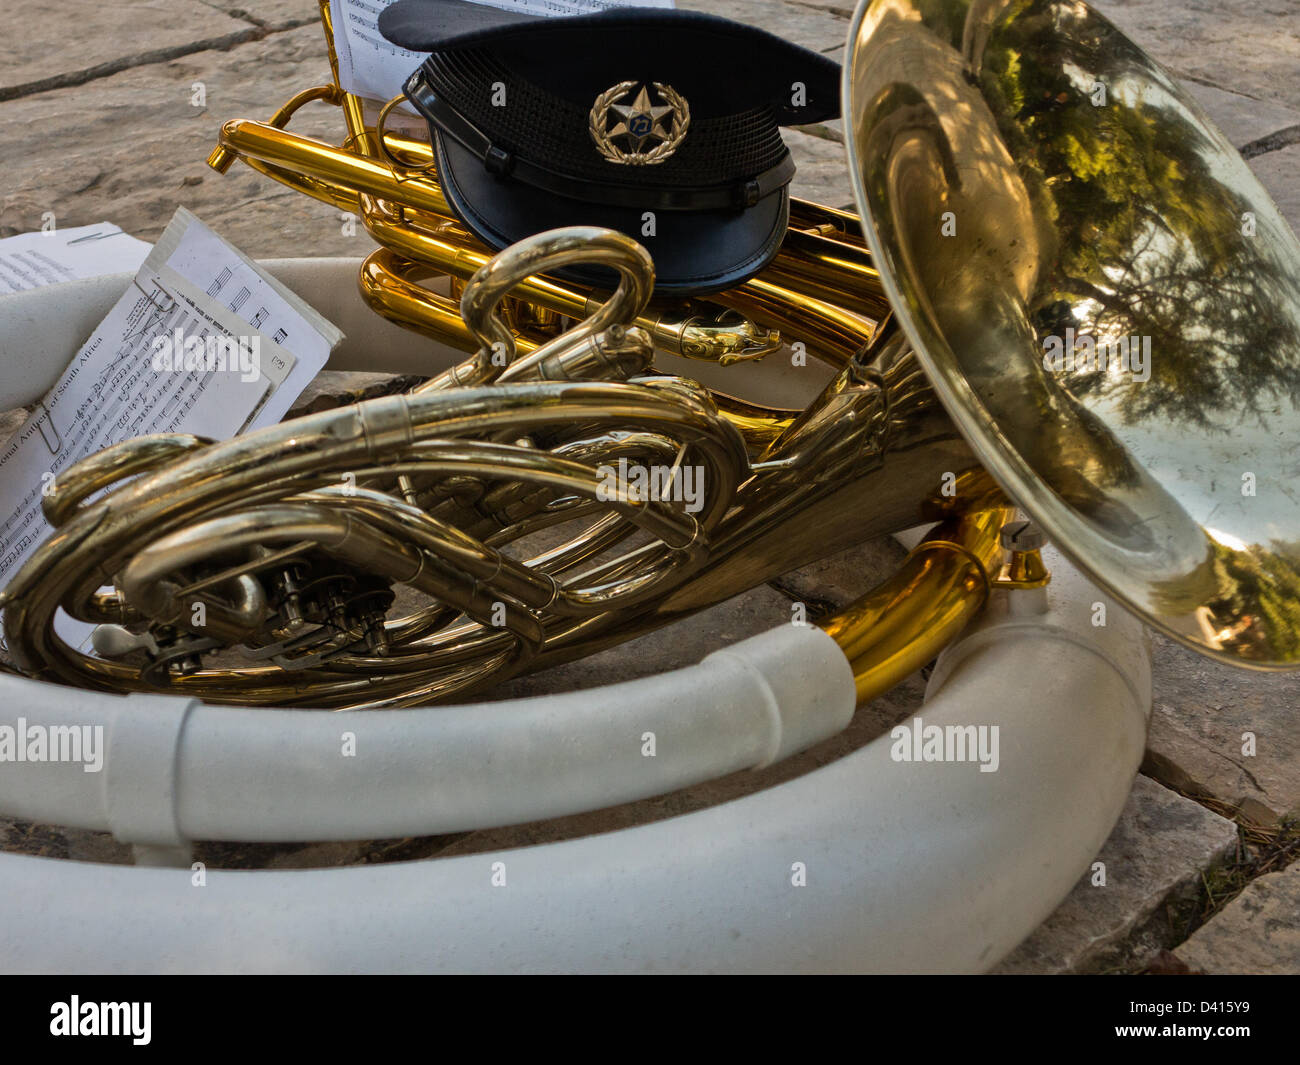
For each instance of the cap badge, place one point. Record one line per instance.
(649, 133)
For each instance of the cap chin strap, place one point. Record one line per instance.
(732, 195)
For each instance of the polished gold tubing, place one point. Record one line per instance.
(900, 625)
(325, 162)
(849, 272)
(388, 285)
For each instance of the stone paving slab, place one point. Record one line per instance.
(835, 582)
(1201, 715)
(273, 14)
(1257, 933)
(809, 25)
(1245, 120)
(142, 150)
(822, 173)
(118, 33)
(1156, 853)
(1249, 46)
(1279, 173)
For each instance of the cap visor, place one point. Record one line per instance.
(427, 25)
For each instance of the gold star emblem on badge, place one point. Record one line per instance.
(641, 120)
(650, 132)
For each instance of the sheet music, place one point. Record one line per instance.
(371, 67)
(31, 260)
(266, 345)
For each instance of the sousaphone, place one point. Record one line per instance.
(1067, 294)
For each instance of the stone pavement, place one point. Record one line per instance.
(108, 112)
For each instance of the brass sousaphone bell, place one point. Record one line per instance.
(1064, 278)
(1114, 324)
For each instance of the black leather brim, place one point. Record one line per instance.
(427, 25)
(694, 252)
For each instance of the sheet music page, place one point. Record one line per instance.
(31, 260)
(203, 341)
(369, 66)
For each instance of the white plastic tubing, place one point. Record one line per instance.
(176, 769)
(870, 863)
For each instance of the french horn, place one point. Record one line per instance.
(1026, 176)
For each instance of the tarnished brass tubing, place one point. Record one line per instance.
(759, 427)
(394, 435)
(353, 541)
(444, 244)
(389, 284)
(900, 625)
(110, 466)
(221, 158)
(497, 278)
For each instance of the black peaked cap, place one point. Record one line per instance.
(720, 197)
(732, 65)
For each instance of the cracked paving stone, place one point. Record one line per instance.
(217, 854)
(137, 149)
(333, 388)
(1279, 173)
(1257, 933)
(1248, 46)
(1242, 119)
(273, 14)
(832, 130)
(26, 837)
(1201, 713)
(1156, 853)
(840, 8)
(70, 36)
(835, 582)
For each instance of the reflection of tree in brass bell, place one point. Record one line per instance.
(1113, 320)
(1151, 227)
(1258, 615)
